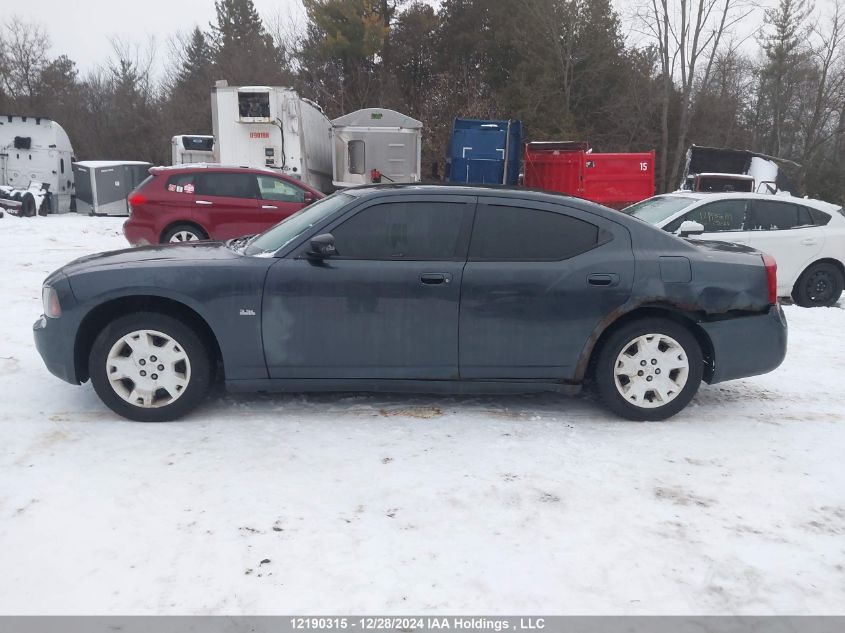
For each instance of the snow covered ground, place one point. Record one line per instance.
(348, 503)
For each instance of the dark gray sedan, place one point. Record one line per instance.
(438, 289)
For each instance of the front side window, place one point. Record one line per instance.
(769, 215)
(716, 217)
(227, 185)
(503, 233)
(278, 189)
(414, 231)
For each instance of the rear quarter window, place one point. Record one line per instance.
(820, 218)
(177, 182)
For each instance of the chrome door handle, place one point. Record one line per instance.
(809, 241)
(205, 202)
(268, 206)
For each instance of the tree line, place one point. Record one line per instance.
(682, 72)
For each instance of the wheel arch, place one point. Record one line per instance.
(684, 318)
(96, 319)
(822, 260)
(175, 223)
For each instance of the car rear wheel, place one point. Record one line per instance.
(150, 367)
(818, 286)
(183, 233)
(648, 369)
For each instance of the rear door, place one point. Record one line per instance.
(786, 231)
(538, 280)
(279, 199)
(228, 204)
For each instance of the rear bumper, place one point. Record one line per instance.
(56, 348)
(747, 346)
(139, 234)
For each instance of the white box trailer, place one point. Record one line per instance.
(36, 156)
(274, 128)
(102, 186)
(188, 149)
(375, 145)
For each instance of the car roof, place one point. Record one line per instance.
(703, 195)
(214, 167)
(504, 191)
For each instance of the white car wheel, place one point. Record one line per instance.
(148, 369)
(651, 371)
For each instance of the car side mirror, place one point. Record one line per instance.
(690, 227)
(322, 246)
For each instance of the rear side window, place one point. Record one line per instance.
(769, 215)
(278, 189)
(716, 217)
(415, 231)
(227, 185)
(514, 234)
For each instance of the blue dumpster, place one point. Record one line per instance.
(485, 152)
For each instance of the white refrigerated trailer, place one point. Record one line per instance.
(35, 163)
(274, 128)
(191, 148)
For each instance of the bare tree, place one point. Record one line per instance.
(23, 57)
(688, 34)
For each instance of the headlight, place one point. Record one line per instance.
(50, 299)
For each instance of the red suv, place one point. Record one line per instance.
(185, 203)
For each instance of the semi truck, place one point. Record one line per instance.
(35, 165)
(273, 128)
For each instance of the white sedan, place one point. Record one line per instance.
(806, 237)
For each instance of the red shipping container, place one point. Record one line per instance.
(614, 180)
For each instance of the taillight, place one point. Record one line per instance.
(771, 277)
(136, 198)
(50, 300)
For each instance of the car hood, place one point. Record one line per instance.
(190, 252)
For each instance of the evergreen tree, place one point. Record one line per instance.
(244, 52)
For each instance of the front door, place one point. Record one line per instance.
(723, 220)
(386, 306)
(539, 279)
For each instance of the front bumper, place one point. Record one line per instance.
(747, 346)
(56, 348)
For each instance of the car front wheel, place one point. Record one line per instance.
(150, 367)
(648, 369)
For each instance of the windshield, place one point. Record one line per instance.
(290, 228)
(655, 210)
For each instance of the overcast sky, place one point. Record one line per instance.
(81, 29)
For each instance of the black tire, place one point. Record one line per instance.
(189, 341)
(28, 205)
(621, 339)
(818, 286)
(191, 229)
